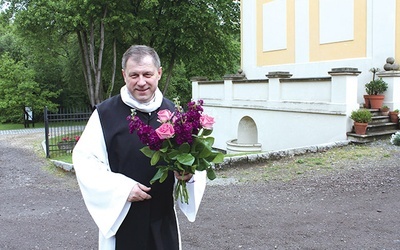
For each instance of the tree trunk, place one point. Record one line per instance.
(169, 72)
(99, 89)
(114, 67)
(82, 37)
(92, 70)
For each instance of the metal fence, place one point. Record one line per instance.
(63, 129)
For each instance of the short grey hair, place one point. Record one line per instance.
(138, 52)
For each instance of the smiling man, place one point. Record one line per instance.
(114, 175)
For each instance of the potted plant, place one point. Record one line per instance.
(361, 118)
(385, 110)
(375, 89)
(394, 116)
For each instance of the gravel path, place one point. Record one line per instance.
(350, 207)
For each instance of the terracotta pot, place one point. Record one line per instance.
(367, 105)
(394, 117)
(360, 128)
(376, 101)
(385, 111)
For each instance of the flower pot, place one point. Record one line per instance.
(66, 145)
(367, 105)
(385, 111)
(394, 117)
(360, 128)
(376, 101)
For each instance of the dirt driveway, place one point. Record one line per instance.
(357, 207)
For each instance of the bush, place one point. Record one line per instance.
(395, 140)
(376, 87)
(361, 115)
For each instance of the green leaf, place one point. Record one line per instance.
(147, 151)
(186, 159)
(203, 164)
(209, 141)
(219, 158)
(204, 152)
(173, 154)
(155, 158)
(215, 157)
(207, 132)
(163, 149)
(164, 175)
(184, 148)
(200, 149)
(158, 175)
(211, 174)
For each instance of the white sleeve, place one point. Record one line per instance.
(105, 193)
(196, 187)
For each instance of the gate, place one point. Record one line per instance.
(63, 130)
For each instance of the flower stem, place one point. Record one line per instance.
(181, 192)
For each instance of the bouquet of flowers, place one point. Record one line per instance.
(182, 142)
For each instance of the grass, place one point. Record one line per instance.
(65, 158)
(289, 168)
(13, 126)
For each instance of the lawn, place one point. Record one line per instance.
(12, 126)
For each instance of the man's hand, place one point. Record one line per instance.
(139, 192)
(185, 177)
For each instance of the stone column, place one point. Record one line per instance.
(392, 94)
(344, 90)
(344, 87)
(274, 93)
(195, 86)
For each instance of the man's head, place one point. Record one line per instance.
(141, 69)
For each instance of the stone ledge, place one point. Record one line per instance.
(275, 155)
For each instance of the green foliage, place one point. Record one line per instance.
(18, 90)
(193, 38)
(395, 139)
(361, 115)
(376, 87)
(184, 158)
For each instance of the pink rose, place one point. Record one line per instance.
(164, 115)
(206, 121)
(165, 131)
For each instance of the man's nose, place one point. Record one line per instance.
(141, 80)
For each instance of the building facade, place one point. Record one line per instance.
(305, 64)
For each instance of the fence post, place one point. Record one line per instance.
(46, 132)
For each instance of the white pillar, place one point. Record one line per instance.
(274, 84)
(392, 94)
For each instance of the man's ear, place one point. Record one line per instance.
(159, 73)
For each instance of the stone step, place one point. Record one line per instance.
(370, 136)
(381, 126)
(380, 119)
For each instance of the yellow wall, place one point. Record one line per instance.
(339, 50)
(356, 48)
(279, 56)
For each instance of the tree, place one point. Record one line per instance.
(18, 90)
(200, 35)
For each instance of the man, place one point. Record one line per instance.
(114, 176)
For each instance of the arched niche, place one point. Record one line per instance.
(247, 131)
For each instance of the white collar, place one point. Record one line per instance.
(147, 107)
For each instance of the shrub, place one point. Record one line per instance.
(376, 87)
(395, 139)
(361, 115)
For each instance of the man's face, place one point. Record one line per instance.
(141, 78)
